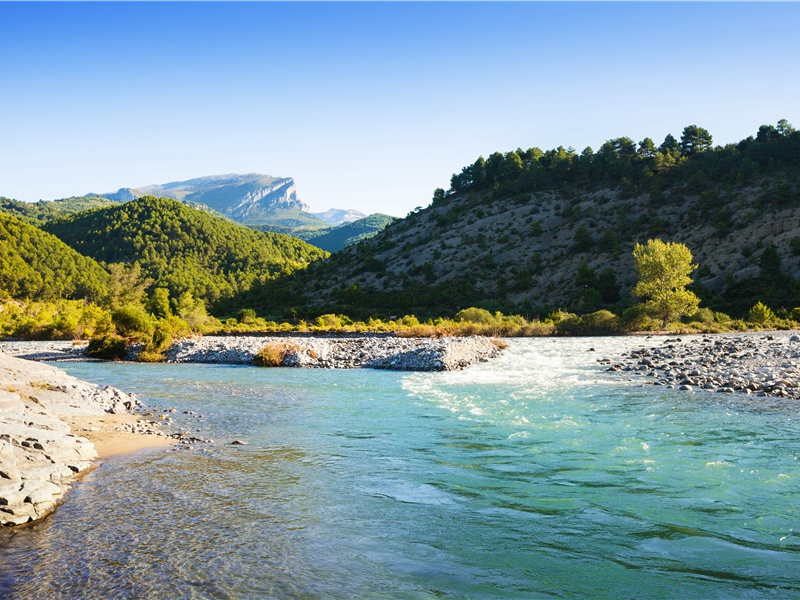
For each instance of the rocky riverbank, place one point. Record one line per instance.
(40, 456)
(754, 363)
(374, 352)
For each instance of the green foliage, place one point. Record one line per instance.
(601, 322)
(182, 249)
(637, 318)
(158, 303)
(38, 266)
(703, 315)
(760, 314)
(108, 347)
(583, 240)
(348, 234)
(132, 321)
(59, 319)
(246, 315)
(475, 315)
(48, 210)
(663, 270)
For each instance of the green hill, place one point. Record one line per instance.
(37, 265)
(47, 210)
(347, 234)
(183, 249)
(529, 231)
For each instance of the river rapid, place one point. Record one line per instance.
(535, 475)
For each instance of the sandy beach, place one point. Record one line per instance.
(104, 432)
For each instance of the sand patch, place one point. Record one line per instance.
(101, 431)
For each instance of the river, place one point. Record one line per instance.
(535, 475)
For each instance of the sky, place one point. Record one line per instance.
(368, 106)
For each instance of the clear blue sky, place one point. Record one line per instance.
(368, 105)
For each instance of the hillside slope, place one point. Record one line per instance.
(530, 231)
(37, 265)
(183, 249)
(47, 210)
(349, 233)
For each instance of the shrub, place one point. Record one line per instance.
(108, 347)
(703, 315)
(601, 322)
(795, 314)
(271, 355)
(132, 321)
(475, 315)
(329, 321)
(760, 314)
(246, 315)
(636, 318)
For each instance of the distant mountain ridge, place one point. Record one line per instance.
(264, 202)
(251, 198)
(338, 216)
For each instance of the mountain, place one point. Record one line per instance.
(347, 234)
(337, 216)
(249, 199)
(183, 249)
(47, 210)
(37, 265)
(531, 231)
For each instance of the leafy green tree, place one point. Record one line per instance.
(695, 140)
(761, 314)
(663, 270)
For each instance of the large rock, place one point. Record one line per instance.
(39, 455)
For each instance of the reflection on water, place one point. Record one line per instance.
(530, 476)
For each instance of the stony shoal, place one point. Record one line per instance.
(762, 364)
(375, 352)
(39, 454)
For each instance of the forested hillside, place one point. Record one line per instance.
(39, 266)
(183, 249)
(528, 231)
(47, 210)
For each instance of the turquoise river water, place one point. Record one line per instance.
(536, 475)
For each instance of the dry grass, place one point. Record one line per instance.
(274, 353)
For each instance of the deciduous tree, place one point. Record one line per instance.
(663, 269)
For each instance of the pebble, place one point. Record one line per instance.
(750, 364)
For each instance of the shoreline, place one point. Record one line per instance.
(111, 436)
(53, 429)
(749, 364)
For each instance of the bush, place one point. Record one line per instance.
(475, 315)
(636, 318)
(795, 314)
(108, 347)
(271, 355)
(246, 315)
(132, 321)
(760, 314)
(329, 321)
(703, 315)
(601, 322)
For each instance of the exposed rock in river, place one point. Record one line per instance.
(375, 352)
(39, 455)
